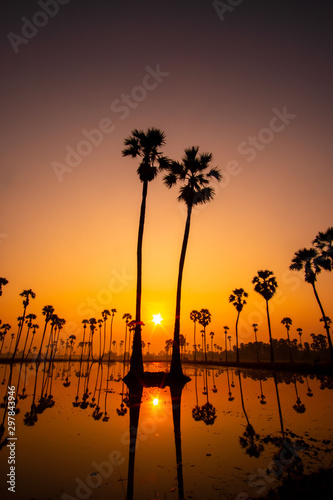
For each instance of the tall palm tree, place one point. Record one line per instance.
(146, 146)
(205, 319)
(47, 311)
(265, 284)
(237, 298)
(287, 322)
(307, 259)
(255, 329)
(113, 312)
(194, 173)
(127, 317)
(3, 282)
(92, 323)
(195, 316)
(100, 323)
(26, 294)
(226, 328)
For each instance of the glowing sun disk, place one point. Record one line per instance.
(157, 318)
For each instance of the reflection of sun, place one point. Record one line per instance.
(155, 401)
(157, 318)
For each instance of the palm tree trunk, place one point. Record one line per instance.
(237, 352)
(290, 353)
(176, 367)
(279, 404)
(270, 332)
(25, 343)
(226, 348)
(19, 332)
(195, 345)
(327, 328)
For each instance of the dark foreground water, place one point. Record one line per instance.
(228, 434)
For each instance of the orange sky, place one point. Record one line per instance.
(221, 83)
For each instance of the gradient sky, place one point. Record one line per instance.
(223, 80)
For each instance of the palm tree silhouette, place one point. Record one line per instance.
(226, 328)
(300, 333)
(100, 323)
(237, 298)
(29, 319)
(113, 312)
(255, 329)
(25, 294)
(3, 282)
(323, 243)
(205, 319)
(265, 284)
(127, 317)
(145, 145)
(287, 322)
(229, 338)
(211, 343)
(92, 323)
(311, 262)
(47, 311)
(105, 315)
(5, 328)
(194, 316)
(194, 179)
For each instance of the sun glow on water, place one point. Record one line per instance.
(155, 401)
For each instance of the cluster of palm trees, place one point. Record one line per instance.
(193, 173)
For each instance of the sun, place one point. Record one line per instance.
(157, 318)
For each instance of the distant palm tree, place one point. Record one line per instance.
(3, 332)
(113, 312)
(237, 298)
(265, 283)
(255, 329)
(287, 322)
(3, 282)
(85, 322)
(92, 323)
(26, 294)
(195, 316)
(34, 328)
(29, 320)
(100, 323)
(47, 311)
(145, 145)
(312, 263)
(226, 328)
(148, 345)
(300, 333)
(229, 338)
(194, 174)
(205, 319)
(12, 335)
(211, 343)
(127, 317)
(105, 315)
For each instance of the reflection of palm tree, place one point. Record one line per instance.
(176, 395)
(194, 316)
(230, 396)
(206, 412)
(279, 404)
(194, 178)
(250, 441)
(299, 407)
(237, 299)
(287, 322)
(309, 391)
(135, 395)
(147, 146)
(262, 396)
(265, 284)
(310, 261)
